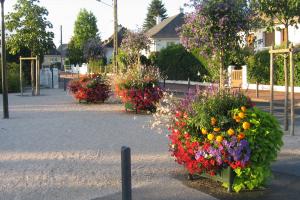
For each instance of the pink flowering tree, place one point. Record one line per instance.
(215, 27)
(132, 45)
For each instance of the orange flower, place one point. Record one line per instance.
(246, 125)
(204, 131)
(230, 132)
(219, 138)
(210, 136)
(217, 129)
(241, 136)
(237, 119)
(243, 108)
(213, 121)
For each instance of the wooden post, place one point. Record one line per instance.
(286, 97)
(32, 77)
(21, 77)
(271, 80)
(37, 77)
(292, 91)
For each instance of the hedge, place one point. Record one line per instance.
(13, 78)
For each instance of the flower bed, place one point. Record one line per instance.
(90, 89)
(211, 134)
(139, 90)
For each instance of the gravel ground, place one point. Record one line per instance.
(54, 148)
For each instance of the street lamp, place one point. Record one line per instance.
(3, 65)
(115, 7)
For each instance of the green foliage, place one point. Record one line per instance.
(265, 139)
(29, 28)
(284, 11)
(97, 66)
(259, 67)
(178, 64)
(13, 78)
(156, 8)
(218, 106)
(85, 28)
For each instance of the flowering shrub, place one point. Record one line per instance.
(91, 88)
(139, 89)
(209, 133)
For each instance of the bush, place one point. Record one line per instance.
(13, 78)
(178, 64)
(139, 89)
(214, 131)
(259, 68)
(91, 88)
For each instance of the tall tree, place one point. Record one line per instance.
(29, 28)
(215, 26)
(155, 9)
(85, 28)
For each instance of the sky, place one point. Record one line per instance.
(131, 14)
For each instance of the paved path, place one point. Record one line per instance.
(53, 148)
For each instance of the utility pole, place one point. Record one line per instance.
(3, 65)
(115, 35)
(61, 48)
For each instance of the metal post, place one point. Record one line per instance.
(61, 48)
(4, 66)
(286, 97)
(292, 74)
(65, 84)
(271, 80)
(21, 77)
(126, 173)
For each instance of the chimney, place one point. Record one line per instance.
(181, 10)
(158, 19)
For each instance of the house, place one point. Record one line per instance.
(52, 58)
(63, 50)
(109, 43)
(265, 39)
(165, 33)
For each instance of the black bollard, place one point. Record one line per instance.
(126, 173)
(65, 84)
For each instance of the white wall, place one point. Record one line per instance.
(158, 44)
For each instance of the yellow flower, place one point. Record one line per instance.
(219, 138)
(241, 115)
(243, 108)
(230, 132)
(246, 125)
(204, 131)
(210, 136)
(217, 129)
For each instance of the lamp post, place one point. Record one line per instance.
(115, 44)
(3, 65)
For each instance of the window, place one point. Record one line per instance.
(170, 43)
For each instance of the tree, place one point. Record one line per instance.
(93, 53)
(285, 12)
(156, 8)
(85, 28)
(132, 44)
(28, 27)
(215, 27)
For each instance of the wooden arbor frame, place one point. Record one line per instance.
(287, 52)
(35, 87)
